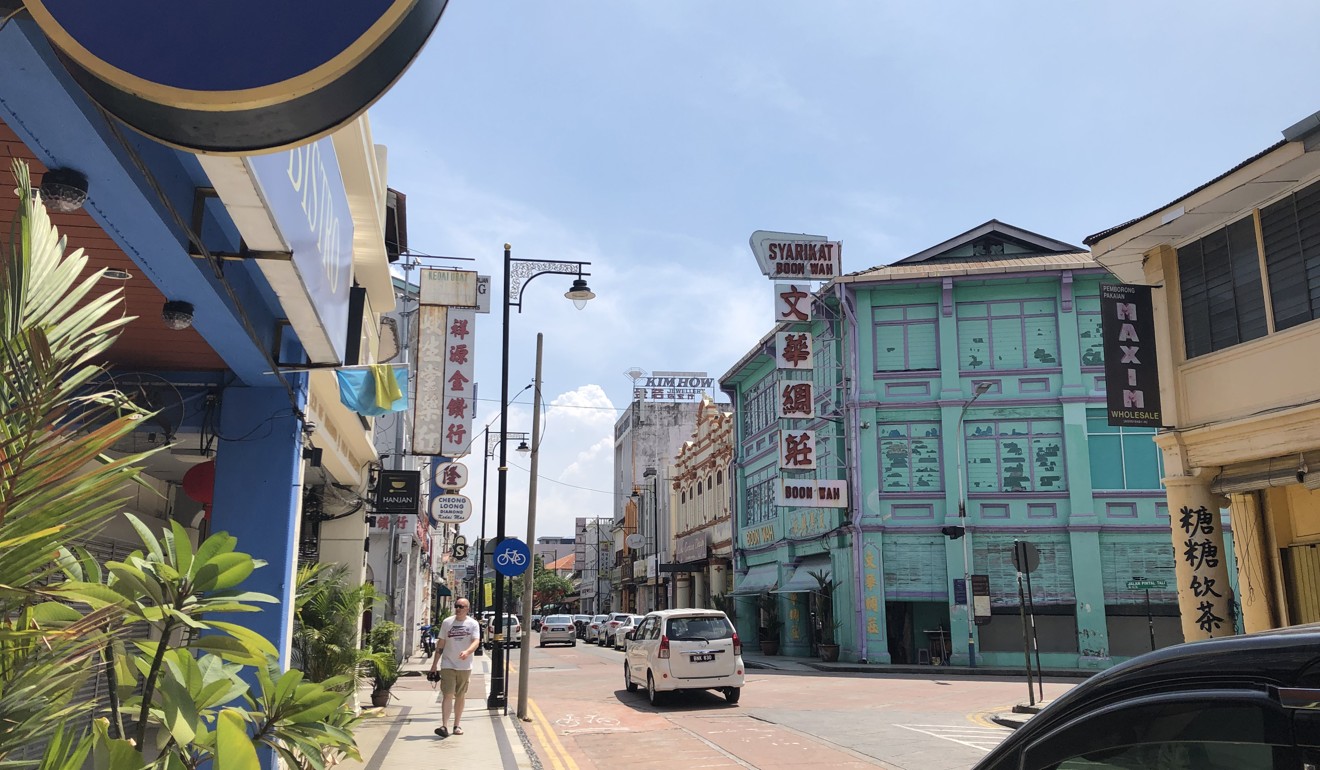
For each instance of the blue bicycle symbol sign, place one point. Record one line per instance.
(512, 557)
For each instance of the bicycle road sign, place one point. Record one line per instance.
(512, 557)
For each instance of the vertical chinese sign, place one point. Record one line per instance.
(459, 396)
(1202, 573)
(446, 343)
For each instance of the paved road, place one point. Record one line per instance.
(584, 719)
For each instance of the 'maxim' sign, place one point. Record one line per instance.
(1132, 382)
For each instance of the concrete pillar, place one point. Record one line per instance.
(682, 589)
(699, 590)
(1088, 584)
(1201, 566)
(1255, 568)
(258, 500)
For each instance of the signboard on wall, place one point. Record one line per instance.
(238, 76)
(399, 492)
(812, 493)
(1132, 380)
(673, 386)
(797, 255)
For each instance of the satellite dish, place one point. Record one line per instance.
(635, 540)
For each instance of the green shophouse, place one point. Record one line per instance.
(900, 354)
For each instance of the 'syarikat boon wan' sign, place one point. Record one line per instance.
(1132, 381)
(236, 76)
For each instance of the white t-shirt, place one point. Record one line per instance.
(458, 636)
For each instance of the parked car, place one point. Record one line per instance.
(512, 632)
(558, 629)
(606, 636)
(593, 628)
(1234, 702)
(688, 649)
(620, 638)
(580, 623)
(536, 622)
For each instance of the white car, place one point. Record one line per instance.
(605, 636)
(558, 629)
(686, 649)
(593, 628)
(512, 632)
(619, 636)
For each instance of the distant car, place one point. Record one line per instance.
(558, 629)
(688, 649)
(1233, 702)
(605, 638)
(593, 628)
(512, 632)
(620, 637)
(536, 622)
(580, 623)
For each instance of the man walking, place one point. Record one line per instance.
(459, 637)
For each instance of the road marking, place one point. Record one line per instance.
(546, 735)
(979, 738)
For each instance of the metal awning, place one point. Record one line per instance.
(762, 577)
(803, 581)
(442, 590)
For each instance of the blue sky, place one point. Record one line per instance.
(651, 138)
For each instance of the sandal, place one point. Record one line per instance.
(458, 730)
(442, 732)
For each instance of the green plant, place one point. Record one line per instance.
(326, 625)
(768, 603)
(383, 664)
(178, 689)
(56, 424)
(824, 598)
(726, 604)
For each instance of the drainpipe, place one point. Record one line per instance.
(854, 480)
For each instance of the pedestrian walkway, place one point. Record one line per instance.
(805, 665)
(402, 735)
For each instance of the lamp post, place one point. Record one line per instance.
(517, 274)
(978, 391)
(523, 449)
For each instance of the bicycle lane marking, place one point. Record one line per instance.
(545, 733)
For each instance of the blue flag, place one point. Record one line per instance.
(357, 390)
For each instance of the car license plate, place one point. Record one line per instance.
(703, 657)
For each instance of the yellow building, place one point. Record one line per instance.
(703, 528)
(1235, 266)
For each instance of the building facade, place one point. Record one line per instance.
(699, 497)
(647, 437)
(969, 375)
(1234, 267)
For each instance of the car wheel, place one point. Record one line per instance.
(628, 683)
(573, 643)
(540, 644)
(732, 694)
(651, 694)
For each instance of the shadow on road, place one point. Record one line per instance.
(682, 701)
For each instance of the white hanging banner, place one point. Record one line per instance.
(796, 400)
(449, 476)
(797, 450)
(793, 351)
(459, 399)
(450, 509)
(428, 418)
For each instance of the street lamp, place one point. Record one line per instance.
(978, 391)
(517, 274)
(650, 473)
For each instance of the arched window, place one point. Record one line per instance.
(709, 483)
(719, 477)
(698, 487)
(682, 498)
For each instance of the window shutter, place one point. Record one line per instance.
(1283, 259)
(1196, 315)
(1308, 233)
(1248, 292)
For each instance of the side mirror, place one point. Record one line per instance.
(628, 635)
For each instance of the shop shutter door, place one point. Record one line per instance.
(1303, 571)
(915, 568)
(1051, 583)
(1123, 557)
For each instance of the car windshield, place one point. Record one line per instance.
(557, 620)
(699, 629)
(599, 618)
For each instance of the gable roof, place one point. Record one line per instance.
(1029, 243)
(562, 564)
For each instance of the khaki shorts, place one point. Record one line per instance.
(454, 681)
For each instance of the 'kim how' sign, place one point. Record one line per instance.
(1132, 382)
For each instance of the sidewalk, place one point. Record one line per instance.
(403, 733)
(807, 665)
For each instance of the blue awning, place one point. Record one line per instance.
(802, 581)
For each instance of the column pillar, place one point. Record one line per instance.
(1204, 601)
(1256, 593)
(258, 497)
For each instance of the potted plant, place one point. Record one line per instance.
(824, 598)
(382, 661)
(769, 606)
